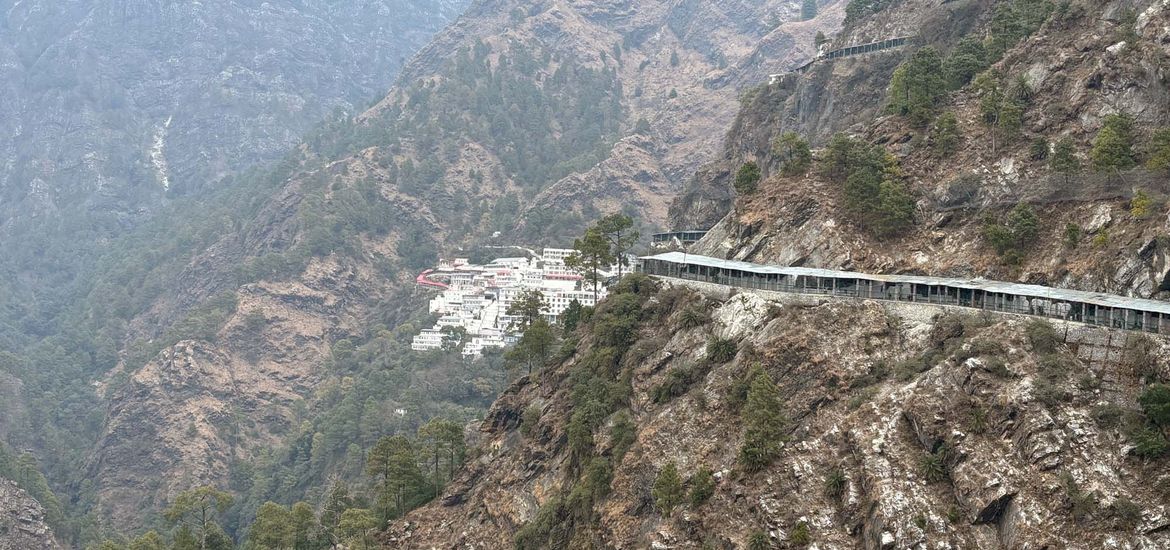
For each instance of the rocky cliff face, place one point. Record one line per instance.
(200, 406)
(802, 220)
(722, 49)
(907, 427)
(22, 521)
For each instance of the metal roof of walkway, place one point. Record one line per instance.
(1016, 289)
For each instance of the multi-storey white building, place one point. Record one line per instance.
(478, 297)
(556, 254)
(429, 339)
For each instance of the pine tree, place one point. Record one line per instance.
(944, 135)
(1113, 147)
(572, 317)
(964, 62)
(184, 539)
(1155, 401)
(196, 510)
(534, 346)
(619, 230)
(1024, 225)
(793, 152)
(1158, 156)
(702, 486)
(272, 528)
(668, 489)
(622, 435)
(357, 528)
(1064, 158)
(917, 86)
(1111, 151)
(304, 530)
(764, 423)
(393, 459)
(747, 178)
(591, 256)
(441, 447)
(895, 211)
(149, 541)
(528, 307)
(1002, 106)
(336, 503)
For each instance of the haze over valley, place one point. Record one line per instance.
(759, 274)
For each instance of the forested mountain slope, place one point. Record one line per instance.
(114, 109)
(1016, 140)
(114, 112)
(256, 338)
(112, 106)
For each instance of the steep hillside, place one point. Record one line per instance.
(1026, 131)
(22, 521)
(110, 106)
(517, 111)
(1016, 140)
(895, 427)
(114, 110)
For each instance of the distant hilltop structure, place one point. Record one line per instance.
(474, 299)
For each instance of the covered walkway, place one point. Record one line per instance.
(1071, 305)
(685, 237)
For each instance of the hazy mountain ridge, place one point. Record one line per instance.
(504, 102)
(114, 112)
(111, 106)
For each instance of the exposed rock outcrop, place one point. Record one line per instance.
(199, 404)
(907, 430)
(22, 521)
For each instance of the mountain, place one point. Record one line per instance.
(242, 336)
(22, 521)
(1015, 140)
(255, 337)
(115, 111)
(111, 107)
(895, 428)
(115, 114)
(989, 169)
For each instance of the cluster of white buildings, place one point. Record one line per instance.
(475, 298)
